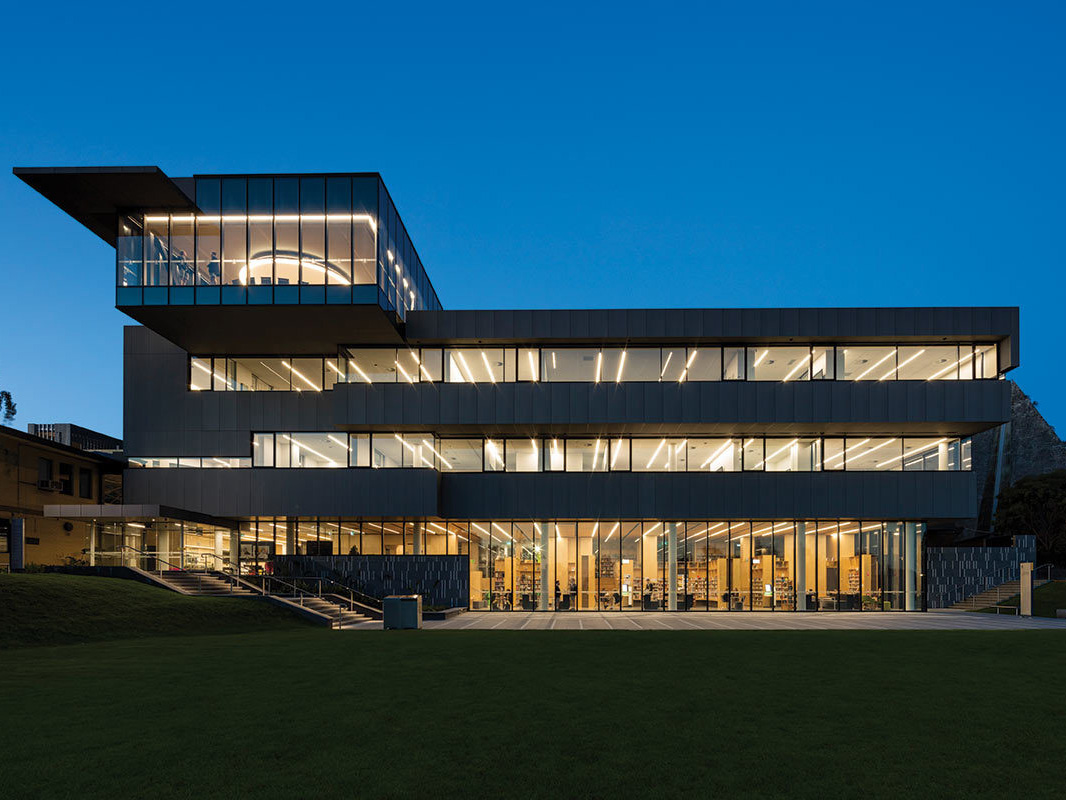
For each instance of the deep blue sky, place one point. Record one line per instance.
(655, 155)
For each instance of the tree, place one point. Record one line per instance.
(1037, 506)
(7, 406)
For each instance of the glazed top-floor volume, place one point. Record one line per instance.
(319, 239)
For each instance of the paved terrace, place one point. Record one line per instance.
(746, 621)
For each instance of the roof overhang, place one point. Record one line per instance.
(136, 513)
(251, 330)
(95, 196)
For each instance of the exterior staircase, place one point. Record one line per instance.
(201, 583)
(336, 608)
(993, 596)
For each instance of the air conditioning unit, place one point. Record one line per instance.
(50, 486)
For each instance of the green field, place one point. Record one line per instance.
(299, 712)
(1047, 599)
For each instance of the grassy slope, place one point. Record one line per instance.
(57, 609)
(539, 714)
(1047, 599)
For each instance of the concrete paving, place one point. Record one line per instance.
(736, 621)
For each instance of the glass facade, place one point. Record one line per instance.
(274, 240)
(582, 565)
(587, 454)
(607, 365)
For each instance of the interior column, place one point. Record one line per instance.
(942, 456)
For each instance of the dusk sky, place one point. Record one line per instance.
(717, 155)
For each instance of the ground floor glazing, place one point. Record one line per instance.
(569, 565)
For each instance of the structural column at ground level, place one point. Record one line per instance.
(801, 566)
(910, 565)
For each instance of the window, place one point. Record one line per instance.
(460, 455)
(311, 450)
(703, 364)
(866, 363)
(586, 455)
(570, 364)
(66, 478)
(85, 483)
(659, 455)
(200, 374)
(44, 469)
(522, 455)
(779, 363)
(714, 455)
(733, 365)
(872, 453)
(372, 365)
(474, 366)
(263, 450)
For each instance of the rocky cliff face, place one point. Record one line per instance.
(1030, 446)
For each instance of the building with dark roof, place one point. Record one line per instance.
(295, 393)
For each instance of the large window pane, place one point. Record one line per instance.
(523, 455)
(704, 364)
(494, 455)
(632, 535)
(460, 455)
(386, 451)
(208, 247)
(985, 365)
(182, 246)
(372, 365)
(828, 571)
(740, 555)
(608, 566)
(313, 450)
(675, 361)
(873, 453)
(263, 450)
(733, 364)
(793, 455)
(823, 363)
(620, 449)
(779, 363)
(931, 362)
(200, 375)
(570, 364)
(586, 455)
(156, 250)
(129, 251)
(866, 363)
(306, 373)
(714, 455)
(473, 365)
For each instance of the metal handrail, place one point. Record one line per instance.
(230, 579)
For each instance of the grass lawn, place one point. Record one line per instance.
(38, 609)
(307, 712)
(1047, 599)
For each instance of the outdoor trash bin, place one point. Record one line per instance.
(402, 611)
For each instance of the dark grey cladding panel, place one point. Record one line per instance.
(288, 492)
(949, 407)
(890, 495)
(161, 417)
(710, 324)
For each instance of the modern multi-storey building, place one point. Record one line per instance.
(294, 388)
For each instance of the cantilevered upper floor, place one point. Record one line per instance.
(190, 251)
